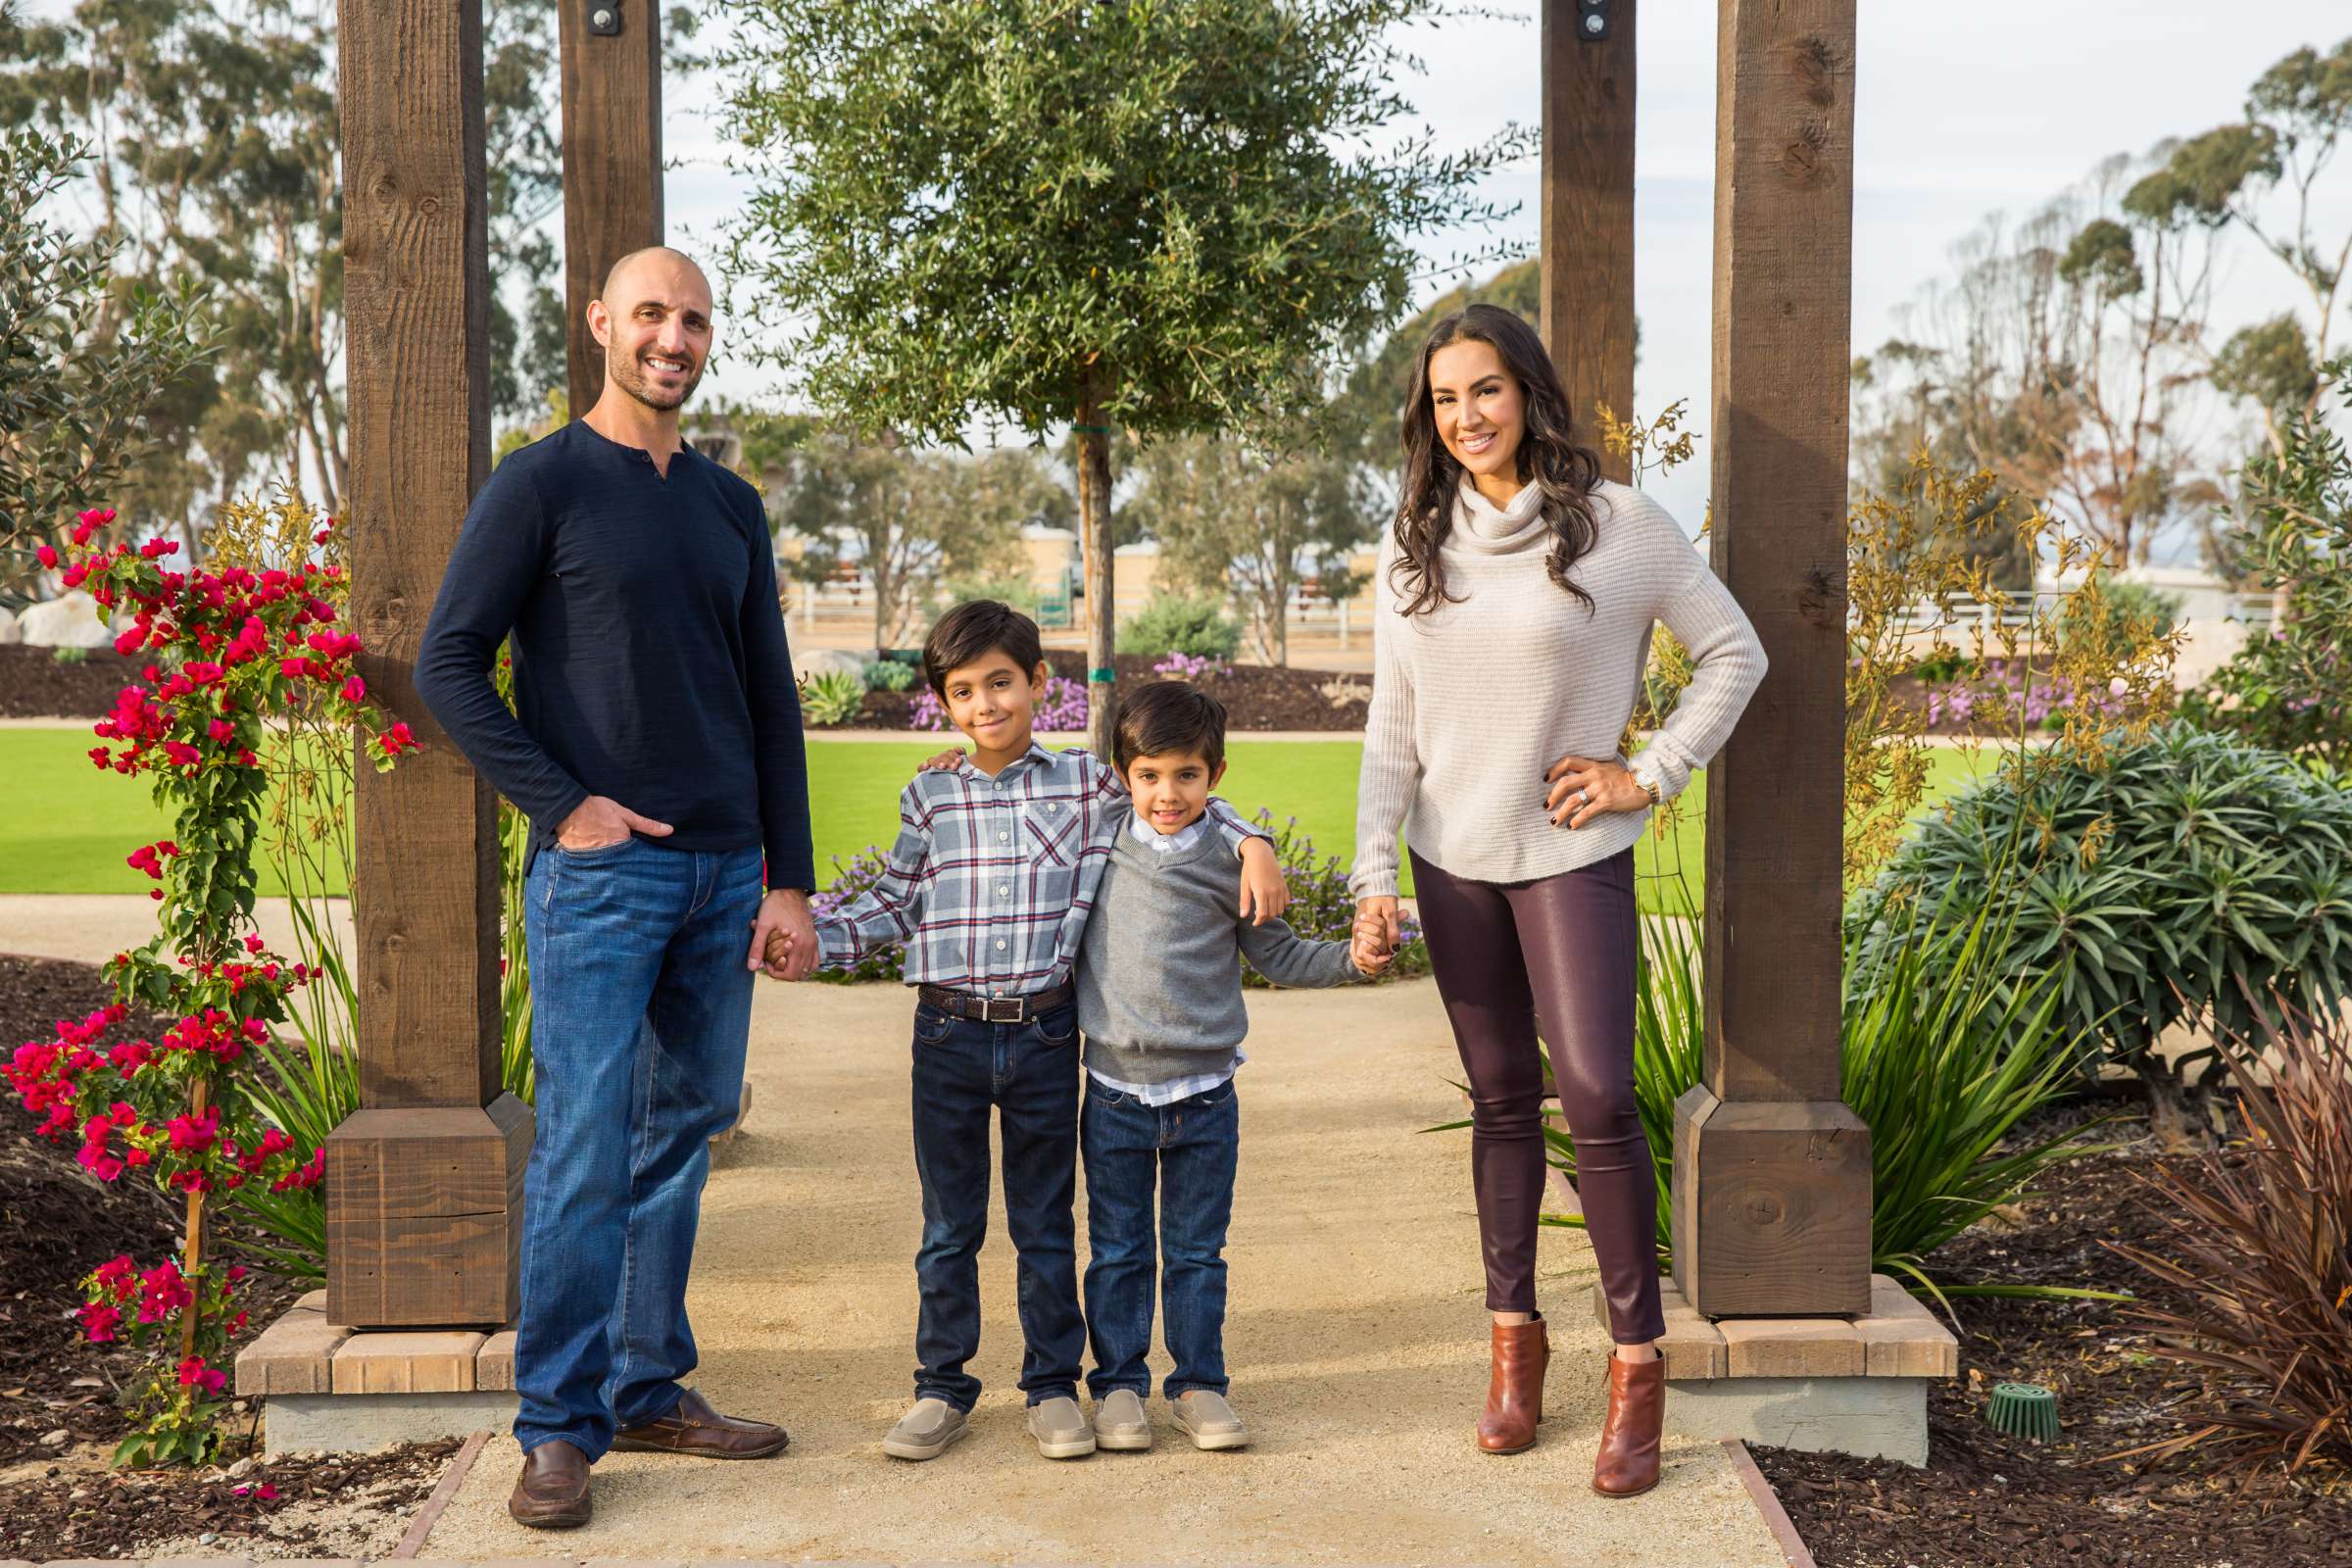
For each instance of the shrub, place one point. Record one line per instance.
(2287, 690)
(1173, 624)
(2260, 1242)
(832, 696)
(228, 651)
(1191, 666)
(2119, 617)
(1018, 592)
(891, 675)
(2192, 871)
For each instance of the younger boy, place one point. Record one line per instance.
(1159, 998)
(989, 884)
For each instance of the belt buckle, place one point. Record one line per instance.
(988, 1009)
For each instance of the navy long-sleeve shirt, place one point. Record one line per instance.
(650, 660)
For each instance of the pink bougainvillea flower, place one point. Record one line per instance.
(48, 555)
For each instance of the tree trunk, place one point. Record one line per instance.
(1094, 539)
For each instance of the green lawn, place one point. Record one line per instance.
(68, 826)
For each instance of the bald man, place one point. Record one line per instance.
(655, 744)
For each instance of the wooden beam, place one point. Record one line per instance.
(1772, 1206)
(611, 160)
(427, 886)
(1588, 206)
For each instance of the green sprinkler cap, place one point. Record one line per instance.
(2024, 1410)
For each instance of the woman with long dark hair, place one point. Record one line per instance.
(1516, 596)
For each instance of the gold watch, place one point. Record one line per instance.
(1649, 787)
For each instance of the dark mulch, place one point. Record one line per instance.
(1985, 1498)
(69, 1513)
(36, 684)
(58, 1222)
(1257, 697)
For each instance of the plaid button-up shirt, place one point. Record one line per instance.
(990, 880)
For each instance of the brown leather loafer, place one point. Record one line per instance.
(552, 1492)
(694, 1428)
(1515, 1390)
(1627, 1464)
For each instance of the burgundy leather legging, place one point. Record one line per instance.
(1558, 952)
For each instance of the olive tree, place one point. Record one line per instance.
(1164, 216)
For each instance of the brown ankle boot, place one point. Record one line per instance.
(1515, 1392)
(1628, 1462)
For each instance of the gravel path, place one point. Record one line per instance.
(1356, 1341)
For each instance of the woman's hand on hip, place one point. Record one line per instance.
(1583, 789)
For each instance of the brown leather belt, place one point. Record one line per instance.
(996, 1009)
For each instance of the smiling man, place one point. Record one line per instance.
(655, 744)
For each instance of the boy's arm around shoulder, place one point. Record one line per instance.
(1288, 958)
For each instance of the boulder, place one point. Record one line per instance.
(70, 621)
(10, 631)
(809, 662)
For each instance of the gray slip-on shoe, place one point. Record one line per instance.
(1120, 1424)
(1061, 1428)
(1207, 1420)
(926, 1431)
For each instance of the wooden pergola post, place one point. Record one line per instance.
(1588, 210)
(1772, 1184)
(612, 160)
(425, 1182)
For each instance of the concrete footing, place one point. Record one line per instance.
(357, 1423)
(1876, 1418)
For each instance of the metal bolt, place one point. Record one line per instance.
(603, 18)
(1593, 24)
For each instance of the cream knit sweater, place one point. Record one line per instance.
(1474, 699)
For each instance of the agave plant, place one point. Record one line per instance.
(832, 696)
(2192, 871)
(2261, 1246)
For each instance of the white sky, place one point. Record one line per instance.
(1963, 108)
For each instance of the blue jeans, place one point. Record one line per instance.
(1187, 1151)
(640, 1003)
(1028, 1075)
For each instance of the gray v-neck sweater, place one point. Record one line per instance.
(1474, 699)
(1159, 977)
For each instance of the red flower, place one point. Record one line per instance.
(91, 521)
(99, 1321)
(354, 689)
(48, 555)
(194, 1373)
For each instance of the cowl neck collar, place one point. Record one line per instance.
(1480, 525)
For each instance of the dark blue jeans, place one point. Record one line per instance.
(1185, 1151)
(1028, 1075)
(640, 1008)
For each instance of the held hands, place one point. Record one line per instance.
(1378, 934)
(783, 936)
(598, 824)
(1582, 789)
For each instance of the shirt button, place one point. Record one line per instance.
(1003, 837)
(999, 944)
(1003, 889)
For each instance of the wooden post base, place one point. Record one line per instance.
(1772, 1206)
(425, 1216)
